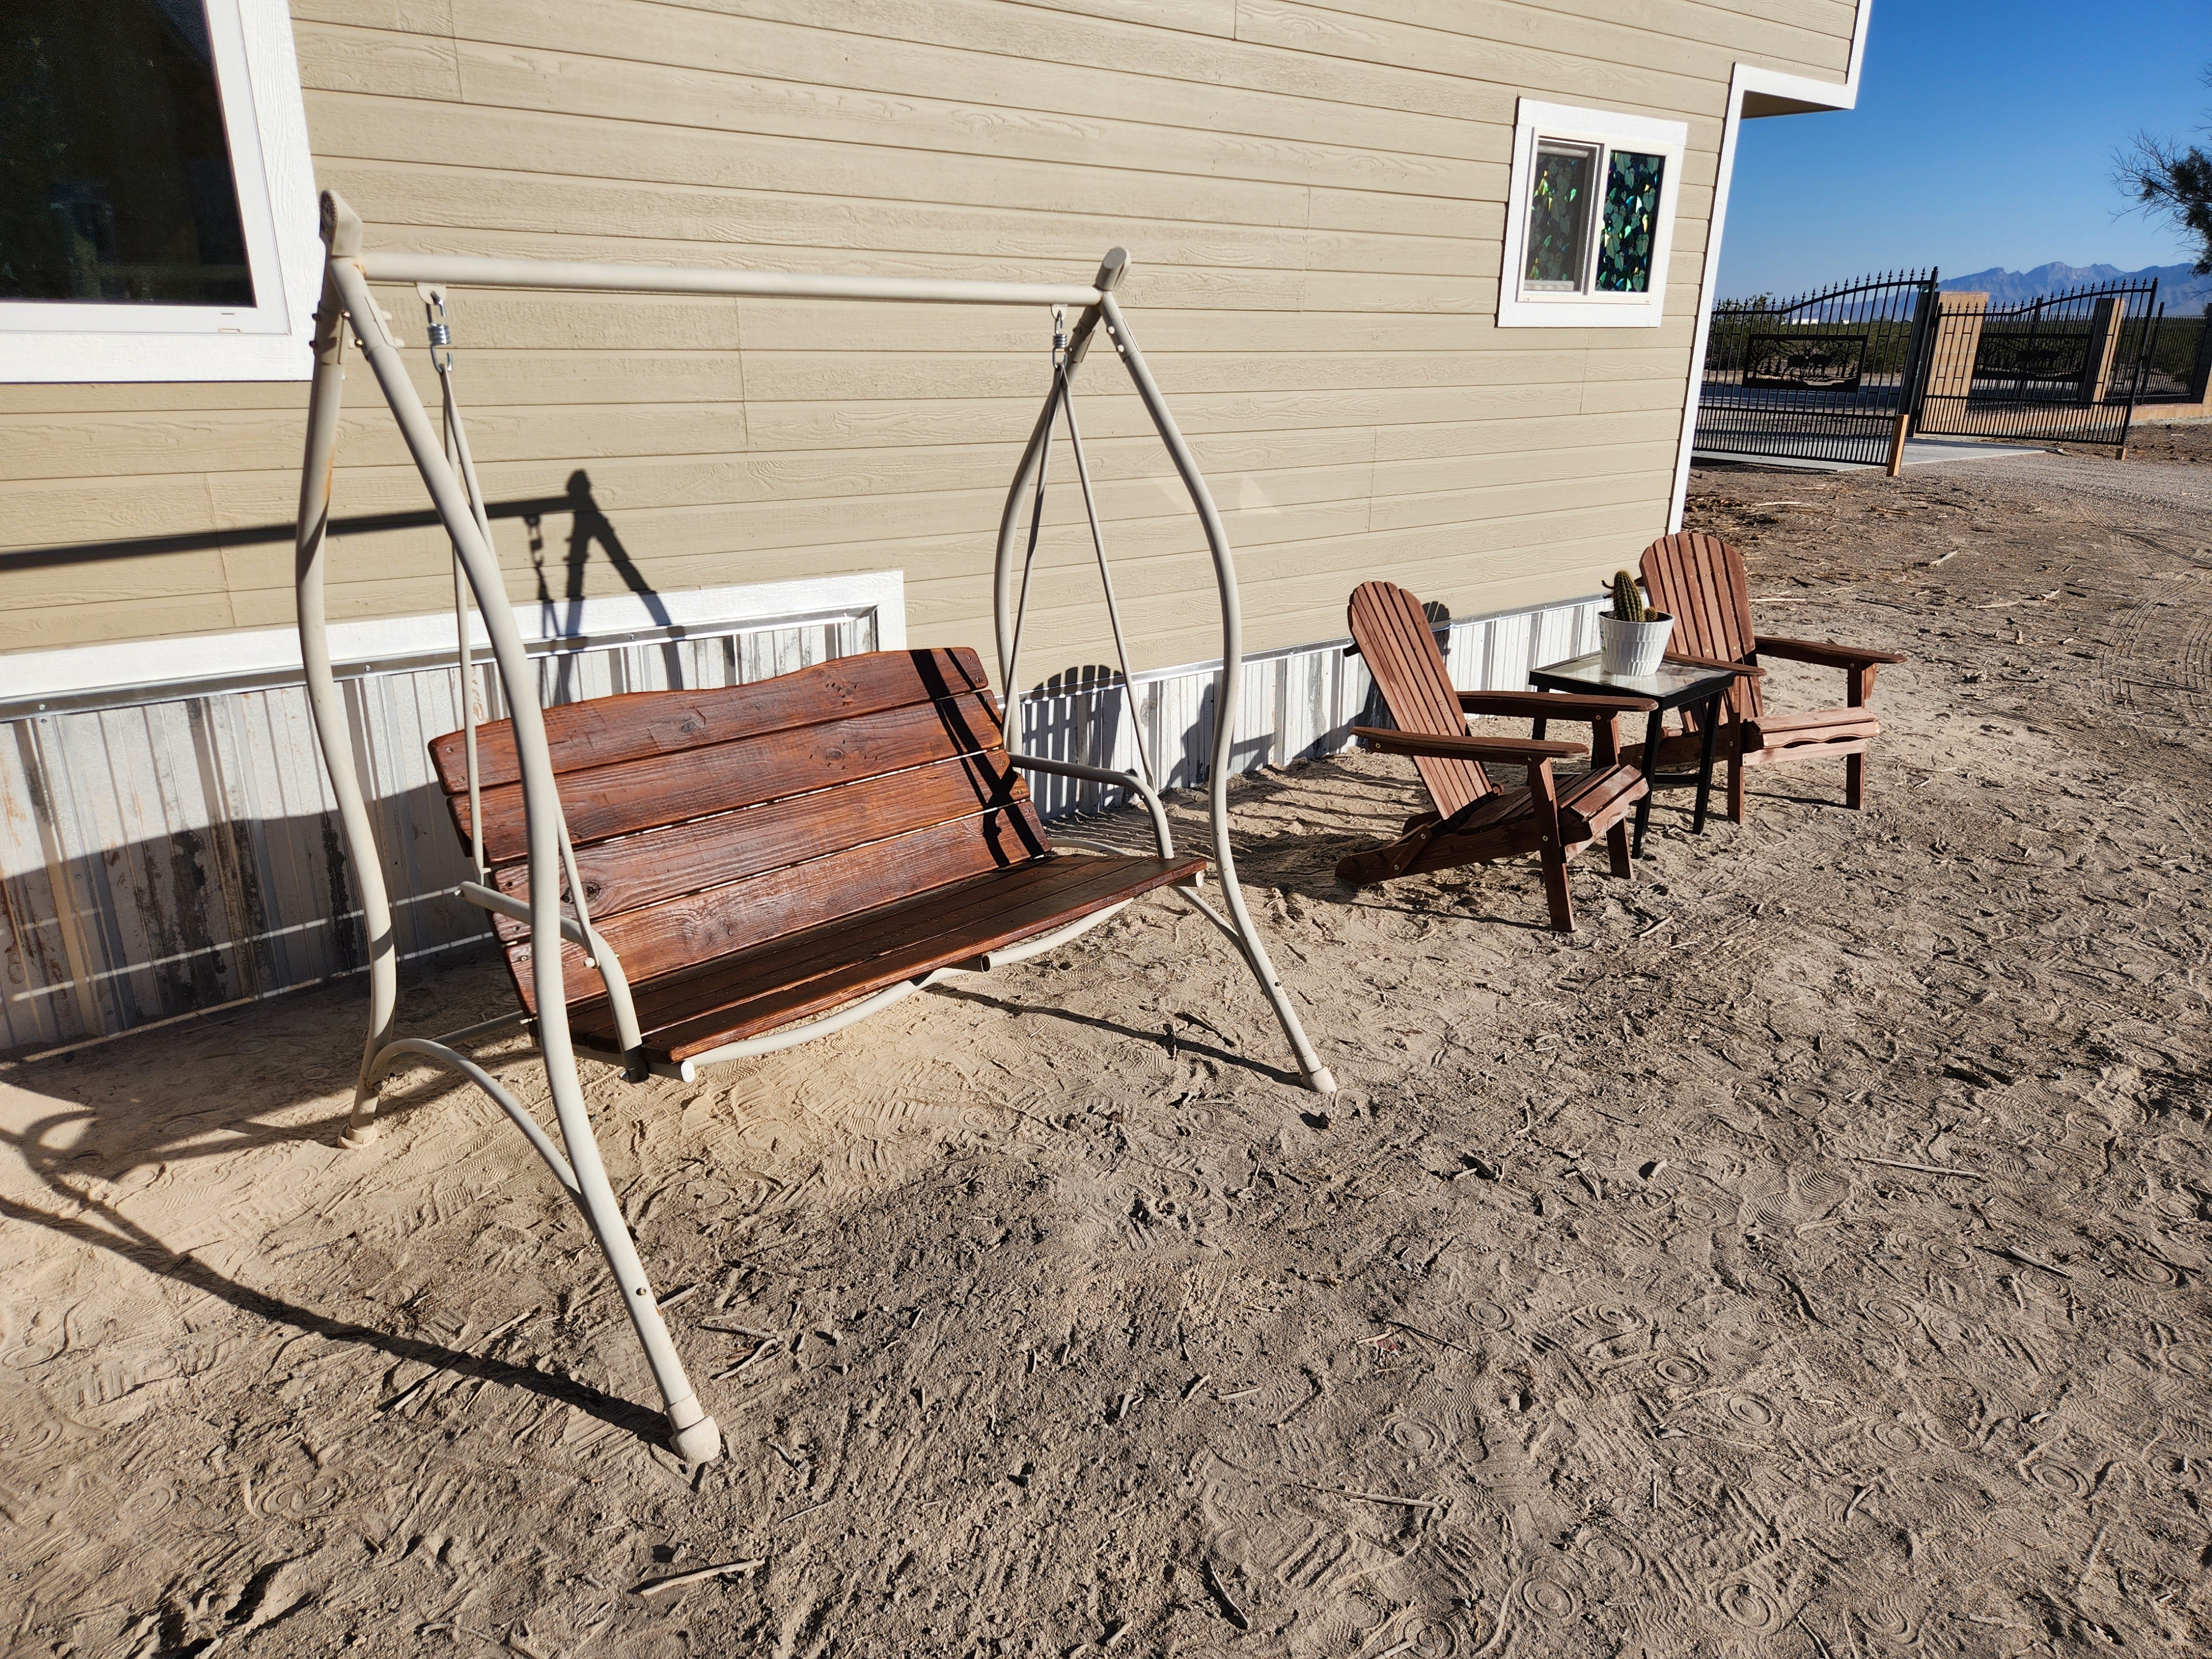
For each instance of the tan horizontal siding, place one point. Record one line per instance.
(1313, 195)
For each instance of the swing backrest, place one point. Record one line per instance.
(706, 822)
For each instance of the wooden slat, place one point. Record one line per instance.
(1593, 803)
(695, 992)
(682, 932)
(826, 967)
(632, 871)
(1396, 641)
(605, 731)
(670, 789)
(1699, 579)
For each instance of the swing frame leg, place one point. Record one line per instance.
(694, 1435)
(1238, 922)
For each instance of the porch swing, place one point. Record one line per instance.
(748, 867)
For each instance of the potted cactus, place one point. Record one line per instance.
(1631, 636)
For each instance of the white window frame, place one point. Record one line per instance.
(258, 77)
(1606, 132)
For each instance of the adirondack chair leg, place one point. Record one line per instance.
(1736, 771)
(1552, 850)
(1616, 848)
(1861, 683)
(1554, 856)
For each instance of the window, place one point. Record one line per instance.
(156, 214)
(1590, 219)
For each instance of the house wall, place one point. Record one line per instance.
(1313, 199)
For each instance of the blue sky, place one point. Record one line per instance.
(1984, 137)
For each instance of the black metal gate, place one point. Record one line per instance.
(1822, 377)
(2067, 367)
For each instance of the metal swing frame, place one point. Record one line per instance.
(448, 472)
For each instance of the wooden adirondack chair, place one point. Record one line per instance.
(1474, 822)
(1699, 580)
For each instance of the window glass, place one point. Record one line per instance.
(1631, 220)
(1559, 216)
(116, 185)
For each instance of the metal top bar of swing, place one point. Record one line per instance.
(472, 270)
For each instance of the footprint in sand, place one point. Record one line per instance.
(1748, 1608)
(1415, 1438)
(1611, 1557)
(1488, 1316)
(2188, 1362)
(1679, 1370)
(1887, 1620)
(2062, 1479)
(1548, 1598)
(1887, 1313)
(1894, 1436)
(1428, 1637)
(1752, 1411)
(154, 1498)
(2149, 1270)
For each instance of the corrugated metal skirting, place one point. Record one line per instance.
(1294, 705)
(160, 858)
(164, 857)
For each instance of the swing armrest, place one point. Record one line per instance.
(1525, 751)
(1100, 774)
(602, 958)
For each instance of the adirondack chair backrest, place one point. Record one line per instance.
(1699, 580)
(1400, 650)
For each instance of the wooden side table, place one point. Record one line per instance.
(1675, 685)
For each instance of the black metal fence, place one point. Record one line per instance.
(2180, 362)
(1821, 377)
(2069, 366)
(1845, 374)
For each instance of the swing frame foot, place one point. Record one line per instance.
(360, 1125)
(699, 1440)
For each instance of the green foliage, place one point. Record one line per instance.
(1627, 599)
(2171, 183)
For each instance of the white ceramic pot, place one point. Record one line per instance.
(1632, 647)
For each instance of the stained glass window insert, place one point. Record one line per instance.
(1559, 217)
(1631, 225)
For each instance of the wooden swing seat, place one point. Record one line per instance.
(759, 855)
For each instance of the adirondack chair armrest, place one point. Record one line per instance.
(1825, 653)
(1552, 705)
(1718, 665)
(1525, 751)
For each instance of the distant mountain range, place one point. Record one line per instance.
(2179, 290)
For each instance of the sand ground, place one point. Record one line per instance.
(1806, 1259)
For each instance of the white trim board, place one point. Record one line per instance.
(132, 670)
(1796, 92)
(258, 78)
(1534, 121)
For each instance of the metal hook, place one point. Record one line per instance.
(1059, 335)
(434, 318)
